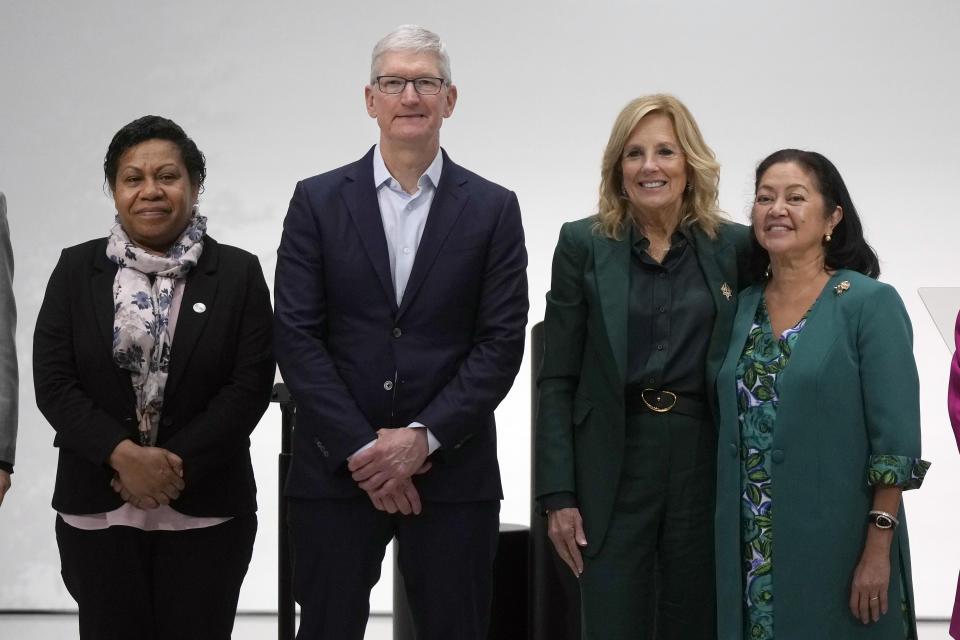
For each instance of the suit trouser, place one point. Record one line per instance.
(144, 585)
(445, 555)
(653, 576)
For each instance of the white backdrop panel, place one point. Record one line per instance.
(273, 93)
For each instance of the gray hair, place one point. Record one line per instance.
(415, 39)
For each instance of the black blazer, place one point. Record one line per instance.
(221, 373)
(355, 361)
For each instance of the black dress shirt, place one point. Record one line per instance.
(669, 326)
(670, 317)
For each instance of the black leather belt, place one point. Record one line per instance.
(639, 400)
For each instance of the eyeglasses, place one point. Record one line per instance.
(423, 86)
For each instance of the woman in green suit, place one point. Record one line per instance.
(640, 307)
(819, 398)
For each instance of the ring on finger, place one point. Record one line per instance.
(874, 598)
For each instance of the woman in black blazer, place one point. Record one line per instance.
(153, 361)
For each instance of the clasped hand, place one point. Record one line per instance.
(146, 477)
(385, 470)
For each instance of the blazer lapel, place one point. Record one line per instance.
(101, 289)
(817, 336)
(448, 203)
(726, 379)
(710, 256)
(612, 273)
(716, 258)
(360, 197)
(200, 289)
(105, 272)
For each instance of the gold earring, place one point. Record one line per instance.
(826, 238)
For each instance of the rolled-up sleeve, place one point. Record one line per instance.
(891, 392)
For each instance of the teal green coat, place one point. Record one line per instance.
(581, 415)
(849, 391)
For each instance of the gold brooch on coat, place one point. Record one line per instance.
(843, 286)
(725, 290)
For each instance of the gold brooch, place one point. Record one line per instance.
(725, 290)
(843, 286)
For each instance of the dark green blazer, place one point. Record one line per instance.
(849, 391)
(581, 416)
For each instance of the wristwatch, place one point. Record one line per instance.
(882, 519)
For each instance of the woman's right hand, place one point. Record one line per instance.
(147, 477)
(565, 528)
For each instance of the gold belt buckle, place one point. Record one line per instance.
(660, 394)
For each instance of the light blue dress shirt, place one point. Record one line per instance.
(404, 216)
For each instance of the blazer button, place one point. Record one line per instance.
(323, 449)
(777, 455)
(388, 385)
(733, 450)
(397, 332)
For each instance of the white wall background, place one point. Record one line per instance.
(273, 93)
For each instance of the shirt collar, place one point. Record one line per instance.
(640, 241)
(381, 175)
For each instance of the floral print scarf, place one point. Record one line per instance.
(142, 292)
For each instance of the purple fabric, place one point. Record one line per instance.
(953, 407)
(955, 620)
(953, 392)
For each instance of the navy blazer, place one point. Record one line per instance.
(355, 361)
(221, 374)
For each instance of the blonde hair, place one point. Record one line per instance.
(699, 207)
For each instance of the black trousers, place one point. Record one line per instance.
(445, 555)
(653, 576)
(146, 585)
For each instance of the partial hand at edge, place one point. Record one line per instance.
(146, 477)
(397, 454)
(4, 484)
(565, 529)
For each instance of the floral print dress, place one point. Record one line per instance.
(763, 359)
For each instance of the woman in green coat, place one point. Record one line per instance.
(640, 307)
(819, 399)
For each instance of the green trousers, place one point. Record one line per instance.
(654, 576)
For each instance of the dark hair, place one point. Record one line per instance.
(154, 128)
(847, 248)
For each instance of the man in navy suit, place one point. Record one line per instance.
(401, 304)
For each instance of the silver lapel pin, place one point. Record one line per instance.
(199, 307)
